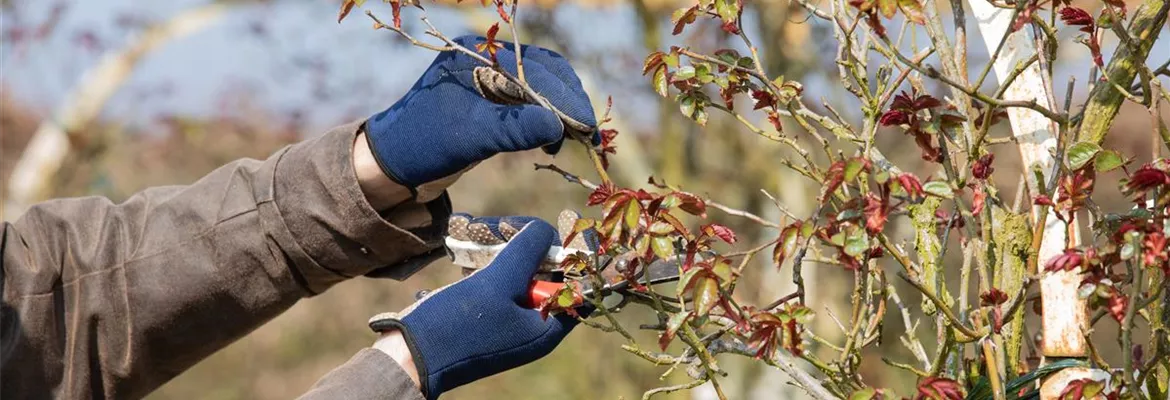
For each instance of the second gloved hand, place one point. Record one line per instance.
(444, 124)
(481, 325)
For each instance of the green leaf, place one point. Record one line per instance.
(661, 228)
(721, 81)
(1105, 21)
(789, 90)
(981, 390)
(1108, 160)
(882, 177)
(700, 116)
(583, 224)
(659, 81)
(722, 270)
(857, 243)
(633, 215)
(931, 127)
(729, 56)
(1092, 389)
(1080, 154)
(786, 244)
(613, 213)
(852, 168)
(671, 60)
(565, 298)
(614, 229)
(676, 321)
(728, 10)
(863, 394)
(642, 244)
(838, 239)
(705, 294)
(802, 315)
(703, 73)
(807, 229)
(912, 9)
(668, 203)
(678, 225)
(1158, 384)
(687, 106)
(672, 325)
(663, 247)
(684, 282)
(1014, 385)
(679, 14)
(939, 188)
(684, 72)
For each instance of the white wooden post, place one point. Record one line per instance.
(1065, 314)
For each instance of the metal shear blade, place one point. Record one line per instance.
(474, 255)
(659, 272)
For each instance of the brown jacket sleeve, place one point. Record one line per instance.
(370, 374)
(105, 300)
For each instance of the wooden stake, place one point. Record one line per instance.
(1064, 313)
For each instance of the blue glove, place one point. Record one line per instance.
(444, 124)
(481, 326)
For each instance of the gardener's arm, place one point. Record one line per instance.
(384, 371)
(112, 300)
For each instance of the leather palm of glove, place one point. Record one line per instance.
(446, 123)
(482, 324)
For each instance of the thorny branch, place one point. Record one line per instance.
(572, 178)
(862, 200)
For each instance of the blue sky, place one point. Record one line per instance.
(363, 70)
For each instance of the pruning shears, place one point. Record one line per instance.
(474, 256)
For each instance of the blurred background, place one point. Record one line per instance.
(126, 94)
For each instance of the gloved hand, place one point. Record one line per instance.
(481, 326)
(444, 124)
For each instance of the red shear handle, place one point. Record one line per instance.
(540, 291)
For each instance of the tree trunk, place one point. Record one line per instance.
(1064, 314)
